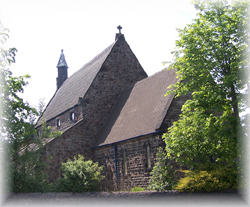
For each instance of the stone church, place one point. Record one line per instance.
(111, 112)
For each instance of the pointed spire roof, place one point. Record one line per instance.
(62, 62)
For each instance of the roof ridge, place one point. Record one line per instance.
(152, 76)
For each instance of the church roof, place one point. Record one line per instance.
(140, 110)
(74, 87)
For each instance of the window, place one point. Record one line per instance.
(72, 116)
(148, 156)
(58, 123)
(124, 160)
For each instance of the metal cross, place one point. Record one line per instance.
(119, 27)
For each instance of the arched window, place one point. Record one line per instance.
(148, 156)
(72, 116)
(124, 160)
(58, 123)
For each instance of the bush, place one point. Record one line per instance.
(217, 178)
(162, 175)
(28, 172)
(79, 176)
(137, 189)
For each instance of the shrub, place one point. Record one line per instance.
(137, 189)
(217, 178)
(162, 175)
(79, 176)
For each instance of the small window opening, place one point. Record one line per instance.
(124, 159)
(58, 123)
(72, 116)
(148, 157)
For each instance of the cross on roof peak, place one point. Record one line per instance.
(119, 27)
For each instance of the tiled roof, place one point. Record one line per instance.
(74, 87)
(139, 110)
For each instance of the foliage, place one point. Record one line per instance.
(79, 176)
(217, 178)
(16, 131)
(46, 132)
(162, 175)
(136, 189)
(196, 139)
(212, 65)
(28, 172)
(24, 169)
(211, 56)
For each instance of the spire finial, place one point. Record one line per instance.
(119, 27)
(62, 62)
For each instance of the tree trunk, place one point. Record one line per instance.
(234, 102)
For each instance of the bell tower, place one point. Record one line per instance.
(62, 70)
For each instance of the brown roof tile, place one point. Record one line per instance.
(139, 110)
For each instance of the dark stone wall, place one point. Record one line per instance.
(138, 173)
(70, 144)
(120, 70)
(66, 120)
(174, 112)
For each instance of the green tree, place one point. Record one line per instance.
(212, 65)
(19, 143)
(15, 129)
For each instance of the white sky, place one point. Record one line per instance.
(84, 28)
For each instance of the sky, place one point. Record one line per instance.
(84, 28)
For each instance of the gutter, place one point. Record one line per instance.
(156, 132)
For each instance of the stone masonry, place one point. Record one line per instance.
(127, 162)
(120, 70)
(138, 174)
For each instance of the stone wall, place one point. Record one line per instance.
(138, 172)
(120, 70)
(174, 112)
(70, 144)
(66, 119)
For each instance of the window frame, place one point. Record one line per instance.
(148, 162)
(148, 156)
(124, 162)
(58, 123)
(72, 116)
